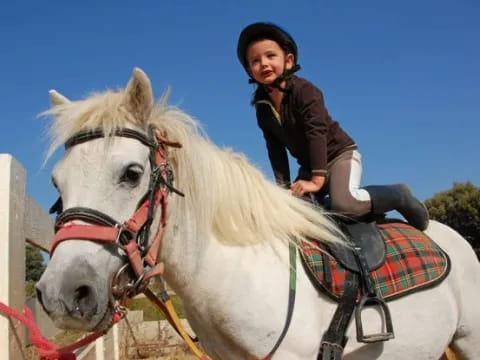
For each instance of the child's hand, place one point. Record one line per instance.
(302, 187)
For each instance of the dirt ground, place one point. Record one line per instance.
(170, 353)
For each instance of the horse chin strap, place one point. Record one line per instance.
(132, 236)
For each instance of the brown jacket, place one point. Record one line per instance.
(303, 126)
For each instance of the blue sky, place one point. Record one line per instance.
(402, 77)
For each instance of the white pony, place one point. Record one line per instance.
(225, 247)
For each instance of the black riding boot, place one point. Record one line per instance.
(398, 197)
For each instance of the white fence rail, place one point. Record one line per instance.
(21, 219)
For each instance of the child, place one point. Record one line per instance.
(292, 115)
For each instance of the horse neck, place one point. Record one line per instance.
(182, 249)
(194, 259)
(191, 250)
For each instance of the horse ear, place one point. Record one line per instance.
(57, 99)
(139, 95)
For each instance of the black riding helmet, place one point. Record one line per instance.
(266, 31)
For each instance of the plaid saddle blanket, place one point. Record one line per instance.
(413, 262)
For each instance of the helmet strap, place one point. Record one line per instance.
(276, 84)
(287, 74)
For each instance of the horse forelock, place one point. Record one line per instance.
(105, 111)
(229, 197)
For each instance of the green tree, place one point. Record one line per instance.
(34, 268)
(459, 208)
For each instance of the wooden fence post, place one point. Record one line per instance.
(21, 219)
(12, 254)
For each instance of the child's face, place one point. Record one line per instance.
(267, 61)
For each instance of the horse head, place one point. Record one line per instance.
(113, 171)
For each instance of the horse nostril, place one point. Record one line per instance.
(82, 292)
(84, 302)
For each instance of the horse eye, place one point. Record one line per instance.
(132, 175)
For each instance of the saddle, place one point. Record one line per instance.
(366, 242)
(361, 274)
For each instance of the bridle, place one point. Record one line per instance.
(132, 236)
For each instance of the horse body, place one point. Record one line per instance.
(225, 248)
(241, 315)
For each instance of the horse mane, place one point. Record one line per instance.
(229, 196)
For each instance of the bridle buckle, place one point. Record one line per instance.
(124, 235)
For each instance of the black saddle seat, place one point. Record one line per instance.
(364, 238)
